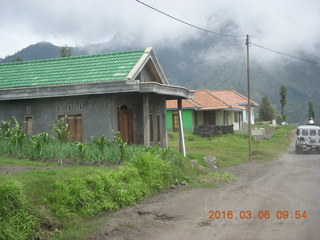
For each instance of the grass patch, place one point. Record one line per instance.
(232, 150)
(213, 179)
(64, 198)
(24, 162)
(16, 221)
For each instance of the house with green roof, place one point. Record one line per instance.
(99, 94)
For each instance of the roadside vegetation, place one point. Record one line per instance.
(50, 187)
(232, 149)
(53, 189)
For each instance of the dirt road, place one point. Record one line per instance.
(290, 183)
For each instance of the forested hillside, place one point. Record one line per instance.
(203, 62)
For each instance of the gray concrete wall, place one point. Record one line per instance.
(157, 107)
(99, 113)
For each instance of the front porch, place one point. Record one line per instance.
(210, 130)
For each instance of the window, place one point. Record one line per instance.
(319, 132)
(58, 108)
(158, 128)
(29, 125)
(236, 117)
(28, 110)
(80, 106)
(69, 107)
(313, 132)
(304, 132)
(151, 127)
(175, 121)
(209, 117)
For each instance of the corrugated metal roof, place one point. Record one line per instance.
(69, 70)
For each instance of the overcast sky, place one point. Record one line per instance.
(292, 26)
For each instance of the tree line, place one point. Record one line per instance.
(268, 113)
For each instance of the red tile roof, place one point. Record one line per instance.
(209, 99)
(232, 97)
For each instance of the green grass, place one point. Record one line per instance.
(212, 179)
(24, 162)
(68, 198)
(232, 149)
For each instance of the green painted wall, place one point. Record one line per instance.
(187, 119)
(169, 120)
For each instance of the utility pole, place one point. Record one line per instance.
(249, 100)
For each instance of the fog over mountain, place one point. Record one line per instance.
(192, 66)
(190, 57)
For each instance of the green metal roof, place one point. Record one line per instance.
(69, 70)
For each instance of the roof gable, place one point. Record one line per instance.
(70, 70)
(150, 64)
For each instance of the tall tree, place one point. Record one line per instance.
(311, 112)
(283, 102)
(266, 111)
(17, 59)
(65, 51)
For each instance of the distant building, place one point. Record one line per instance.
(226, 110)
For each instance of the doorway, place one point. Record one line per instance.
(74, 127)
(125, 123)
(29, 126)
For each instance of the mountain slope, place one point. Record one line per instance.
(203, 62)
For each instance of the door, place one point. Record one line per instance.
(78, 128)
(175, 121)
(29, 125)
(74, 127)
(209, 118)
(125, 123)
(225, 118)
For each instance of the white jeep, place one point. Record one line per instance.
(308, 138)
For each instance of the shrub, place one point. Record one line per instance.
(61, 129)
(112, 189)
(101, 143)
(15, 220)
(154, 171)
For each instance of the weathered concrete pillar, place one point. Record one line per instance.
(182, 147)
(146, 120)
(163, 127)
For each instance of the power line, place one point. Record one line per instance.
(225, 35)
(189, 24)
(241, 56)
(284, 54)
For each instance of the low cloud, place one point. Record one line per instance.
(289, 25)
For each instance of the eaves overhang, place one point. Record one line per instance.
(171, 91)
(107, 87)
(246, 104)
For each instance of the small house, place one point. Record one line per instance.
(99, 94)
(219, 110)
